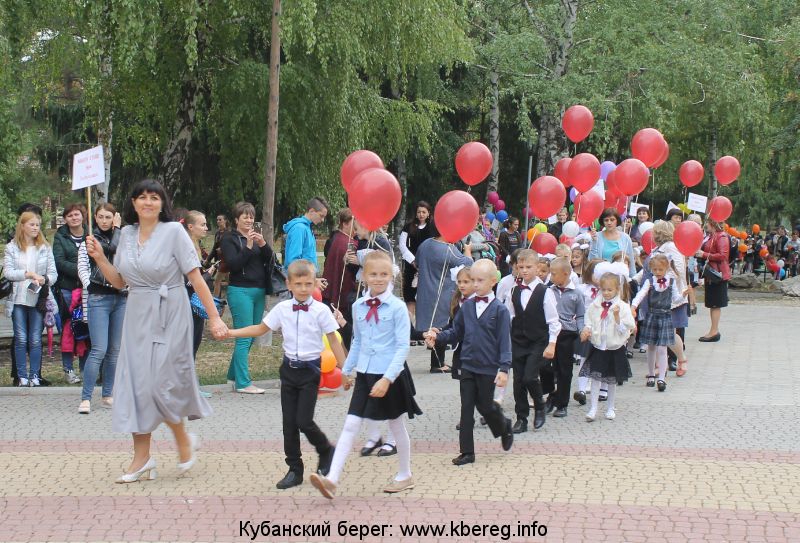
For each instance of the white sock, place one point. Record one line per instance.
(373, 432)
(583, 382)
(661, 356)
(398, 428)
(390, 439)
(352, 425)
(595, 395)
(612, 392)
(651, 360)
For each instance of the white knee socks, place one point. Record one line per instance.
(657, 354)
(352, 424)
(374, 433)
(612, 392)
(583, 382)
(398, 428)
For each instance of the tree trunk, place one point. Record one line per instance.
(494, 133)
(173, 164)
(268, 210)
(712, 160)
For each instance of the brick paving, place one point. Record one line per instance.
(714, 458)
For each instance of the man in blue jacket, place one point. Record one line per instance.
(300, 241)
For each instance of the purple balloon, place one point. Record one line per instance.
(606, 168)
(573, 194)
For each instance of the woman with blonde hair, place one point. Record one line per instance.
(29, 264)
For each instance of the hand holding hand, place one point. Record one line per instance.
(585, 334)
(549, 352)
(502, 379)
(347, 382)
(218, 328)
(633, 312)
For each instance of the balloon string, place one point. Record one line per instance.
(344, 269)
(653, 196)
(438, 297)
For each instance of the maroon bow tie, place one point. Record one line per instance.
(595, 290)
(481, 299)
(662, 281)
(606, 307)
(522, 286)
(373, 304)
(300, 307)
(562, 289)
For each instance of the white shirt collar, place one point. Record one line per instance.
(568, 286)
(382, 297)
(534, 282)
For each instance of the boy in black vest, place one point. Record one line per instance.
(534, 331)
(482, 326)
(569, 303)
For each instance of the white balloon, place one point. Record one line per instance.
(570, 229)
(645, 226)
(781, 263)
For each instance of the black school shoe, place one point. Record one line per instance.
(463, 459)
(538, 419)
(561, 412)
(520, 426)
(549, 406)
(366, 451)
(580, 397)
(387, 452)
(325, 460)
(289, 480)
(507, 439)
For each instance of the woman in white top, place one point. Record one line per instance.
(29, 264)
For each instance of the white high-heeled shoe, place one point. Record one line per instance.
(183, 467)
(149, 468)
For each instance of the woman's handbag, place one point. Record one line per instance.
(200, 310)
(711, 276)
(276, 280)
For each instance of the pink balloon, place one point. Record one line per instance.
(584, 171)
(691, 173)
(456, 215)
(631, 177)
(546, 196)
(727, 169)
(473, 162)
(577, 123)
(648, 145)
(688, 237)
(374, 197)
(500, 205)
(493, 197)
(720, 208)
(355, 163)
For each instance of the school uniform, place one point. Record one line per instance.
(302, 324)
(570, 305)
(483, 329)
(381, 329)
(607, 362)
(455, 365)
(658, 328)
(534, 324)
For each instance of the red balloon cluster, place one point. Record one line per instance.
(562, 171)
(473, 162)
(577, 123)
(374, 197)
(545, 243)
(649, 146)
(691, 173)
(688, 237)
(355, 163)
(546, 196)
(630, 177)
(332, 379)
(456, 215)
(727, 170)
(588, 207)
(584, 171)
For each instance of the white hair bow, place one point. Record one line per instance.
(454, 272)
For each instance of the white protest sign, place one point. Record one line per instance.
(671, 205)
(697, 203)
(88, 168)
(634, 208)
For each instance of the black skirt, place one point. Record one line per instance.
(409, 291)
(716, 295)
(607, 366)
(398, 401)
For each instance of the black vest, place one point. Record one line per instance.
(529, 326)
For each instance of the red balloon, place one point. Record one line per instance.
(664, 156)
(473, 162)
(648, 145)
(332, 379)
(688, 237)
(622, 204)
(546, 196)
(720, 208)
(374, 198)
(500, 205)
(727, 169)
(631, 177)
(317, 294)
(493, 197)
(355, 163)
(565, 239)
(691, 173)
(455, 215)
(577, 123)
(611, 198)
(545, 243)
(584, 171)
(588, 207)
(647, 242)
(561, 171)
(611, 182)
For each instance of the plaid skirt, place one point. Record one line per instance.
(657, 329)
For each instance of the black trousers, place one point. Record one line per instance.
(477, 391)
(298, 399)
(527, 367)
(563, 364)
(198, 324)
(437, 356)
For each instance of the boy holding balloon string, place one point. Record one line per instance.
(303, 322)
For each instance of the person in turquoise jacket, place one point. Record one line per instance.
(300, 241)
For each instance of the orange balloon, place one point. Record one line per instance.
(531, 233)
(742, 248)
(742, 235)
(756, 229)
(763, 252)
(328, 361)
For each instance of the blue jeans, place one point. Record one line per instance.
(106, 315)
(28, 325)
(66, 358)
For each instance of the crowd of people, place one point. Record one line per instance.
(132, 303)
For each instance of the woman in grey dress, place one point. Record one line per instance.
(155, 378)
(435, 258)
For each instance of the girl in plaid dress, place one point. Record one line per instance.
(657, 331)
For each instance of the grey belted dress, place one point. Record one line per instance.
(155, 379)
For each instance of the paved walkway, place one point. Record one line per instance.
(716, 457)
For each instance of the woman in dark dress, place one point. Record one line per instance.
(413, 234)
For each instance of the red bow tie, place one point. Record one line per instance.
(662, 281)
(595, 290)
(300, 307)
(562, 289)
(373, 304)
(522, 286)
(606, 307)
(481, 299)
